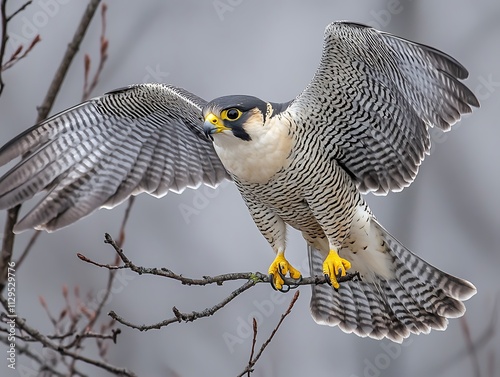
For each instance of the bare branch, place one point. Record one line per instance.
(103, 56)
(470, 347)
(94, 315)
(46, 342)
(251, 279)
(5, 38)
(19, 10)
(85, 335)
(121, 237)
(254, 340)
(7, 244)
(186, 317)
(206, 280)
(16, 56)
(71, 51)
(253, 361)
(482, 340)
(43, 111)
(44, 367)
(28, 247)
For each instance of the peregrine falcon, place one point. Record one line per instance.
(361, 125)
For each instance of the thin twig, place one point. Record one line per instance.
(470, 347)
(52, 319)
(46, 342)
(7, 245)
(206, 280)
(251, 278)
(26, 350)
(5, 38)
(253, 361)
(186, 317)
(93, 316)
(103, 56)
(19, 10)
(28, 247)
(481, 341)
(70, 53)
(43, 111)
(126, 216)
(254, 340)
(85, 335)
(17, 55)
(5, 19)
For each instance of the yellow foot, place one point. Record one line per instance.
(334, 266)
(279, 269)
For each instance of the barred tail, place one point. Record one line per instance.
(415, 299)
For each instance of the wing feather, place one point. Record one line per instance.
(143, 138)
(373, 98)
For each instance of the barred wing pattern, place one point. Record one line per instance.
(373, 98)
(143, 138)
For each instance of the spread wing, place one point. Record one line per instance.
(373, 98)
(143, 138)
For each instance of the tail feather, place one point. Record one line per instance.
(443, 297)
(415, 299)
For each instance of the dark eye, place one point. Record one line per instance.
(233, 114)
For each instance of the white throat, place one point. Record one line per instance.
(257, 160)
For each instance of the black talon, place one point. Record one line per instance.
(281, 273)
(339, 277)
(286, 287)
(283, 289)
(328, 281)
(271, 279)
(297, 281)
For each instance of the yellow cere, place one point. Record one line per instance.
(212, 119)
(218, 124)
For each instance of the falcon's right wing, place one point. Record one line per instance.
(142, 138)
(373, 98)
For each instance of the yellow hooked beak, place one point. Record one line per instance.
(213, 125)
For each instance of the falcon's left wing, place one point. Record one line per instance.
(373, 98)
(143, 138)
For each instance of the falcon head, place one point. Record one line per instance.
(250, 136)
(240, 116)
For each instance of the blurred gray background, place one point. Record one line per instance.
(449, 216)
